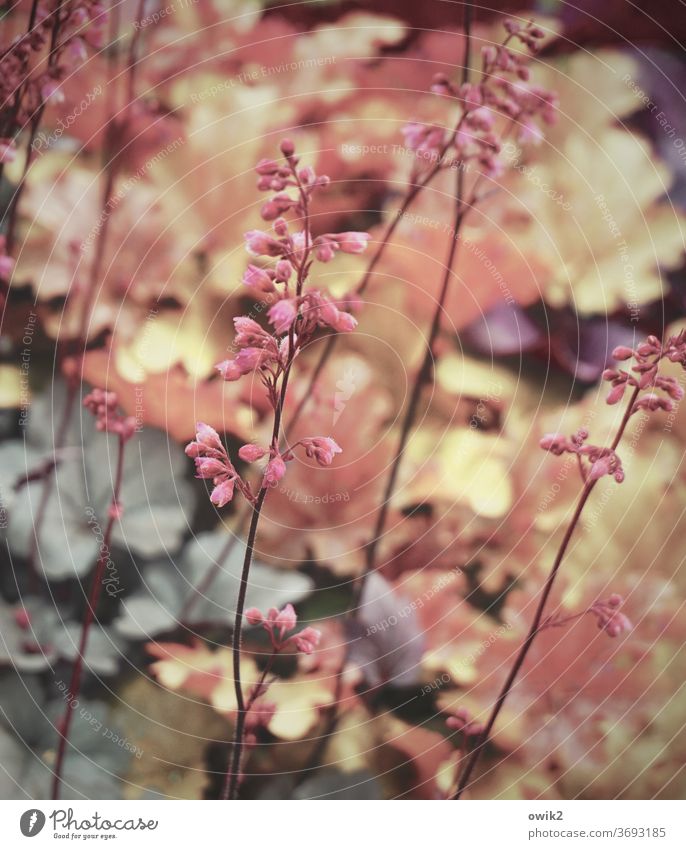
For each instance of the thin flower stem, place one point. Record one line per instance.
(423, 377)
(413, 190)
(89, 298)
(36, 118)
(538, 617)
(425, 371)
(89, 617)
(233, 777)
(406, 429)
(231, 783)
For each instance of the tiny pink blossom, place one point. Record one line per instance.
(277, 623)
(324, 250)
(609, 617)
(352, 242)
(251, 452)
(250, 334)
(276, 469)
(254, 616)
(321, 448)
(208, 467)
(267, 166)
(260, 243)
(283, 314)
(104, 406)
(307, 640)
(286, 619)
(344, 323)
(258, 279)
(207, 436)
(599, 469)
(283, 270)
(229, 370)
(222, 493)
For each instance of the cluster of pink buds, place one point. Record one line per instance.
(104, 406)
(277, 623)
(321, 448)
(295, 315)
(645, 375)
(212, 463)
(462, 721)
(659, 393)
(503, 90)
(609, 616)
(279, 177)
(595, 461)
(71, 27)
(350, 242)
(295, 312)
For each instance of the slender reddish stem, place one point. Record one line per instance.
(538, 616)
(89, 617)
(233, 777)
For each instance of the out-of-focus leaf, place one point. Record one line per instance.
(167, 586)
(387, 642)
(504, 330)
(155, 497)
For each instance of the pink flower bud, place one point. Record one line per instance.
(287, 148)
(254, 616)
(324, 249)
(208, 436)
(283, 314)
(208, 467)
(283, 270)
(276, 469)
(307, 640)
(258, 279)
(344, 323)
(599, 469)
(622, 353)
(259, 243)
(286, 619)
(251, 452)
(352, 242)
(229, 370)
(321, 448)
(267, 166)
(616, 393)
(222, 493)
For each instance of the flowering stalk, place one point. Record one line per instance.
(257, 711)
(103, 405)
(596, 464)
(474, 140)
(65, 32)
(502, 90)
(297, 313)
(94, 36)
